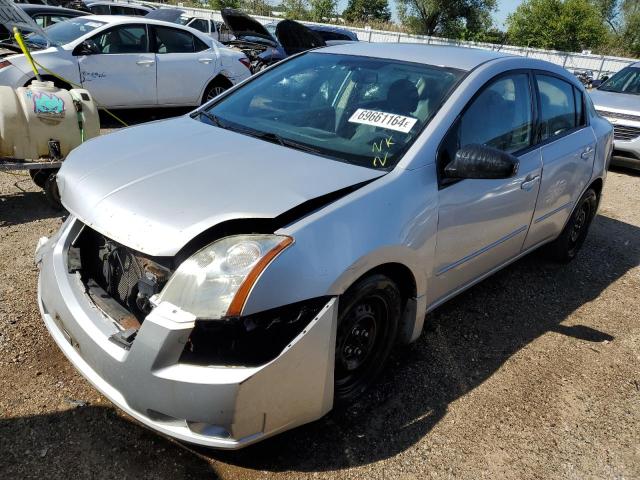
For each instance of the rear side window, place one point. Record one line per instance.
(581, 119)
(100, 9)
(172, 40)
(557, 106)
(199, 24)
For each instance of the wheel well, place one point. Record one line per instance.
(50, 78)
(219, 80)
(403, 277)
(597, 186)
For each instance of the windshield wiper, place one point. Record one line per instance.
(212, 117)
(275, 138)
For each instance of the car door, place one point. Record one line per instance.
(482, 223)
(568, 152)
(185, 66)
(122, 72)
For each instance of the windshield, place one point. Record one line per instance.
(626, 80)
(361, 110)
(64, 32)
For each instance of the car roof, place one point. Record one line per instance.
(119, 4)
(35, 8)
(327, 28)
(462, 58)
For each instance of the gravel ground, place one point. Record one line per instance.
(534, 373)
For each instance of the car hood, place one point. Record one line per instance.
(624, 102)
(156, 186)
(13, 16)
(295, 37)
(242, 25)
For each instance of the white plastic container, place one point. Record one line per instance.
(32, 116)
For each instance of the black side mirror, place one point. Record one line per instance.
(88, 47)
(605, 78)
(480, 161)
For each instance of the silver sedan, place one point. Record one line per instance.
(239, 271)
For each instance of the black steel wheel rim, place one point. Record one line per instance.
(360, 342)
(579, 224)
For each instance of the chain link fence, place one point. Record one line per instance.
(600, 65)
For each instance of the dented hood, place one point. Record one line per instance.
(155, 187)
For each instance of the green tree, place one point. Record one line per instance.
(220, 4)
(451, 18)
(256, 7)
(364, 10)
(569, 25)
(295, 9)
(630, 33)
(322, 10)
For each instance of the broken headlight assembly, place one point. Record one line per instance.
(215, 281)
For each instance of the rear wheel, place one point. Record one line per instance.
(566, 246)
(367, 326)
(215, 88)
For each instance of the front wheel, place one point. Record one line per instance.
(564, 248)
(368, 320)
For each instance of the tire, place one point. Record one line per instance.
(51, 192)
(368, 319)
(215, 88)
(39, 177)
(565, 248)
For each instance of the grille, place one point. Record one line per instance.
(621, 116)
(126, 275)
(624, 132)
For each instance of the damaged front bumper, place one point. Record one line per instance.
(216, 406)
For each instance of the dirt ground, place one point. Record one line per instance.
(534, 373)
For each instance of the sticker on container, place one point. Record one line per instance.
(391, 121)
(47, 105)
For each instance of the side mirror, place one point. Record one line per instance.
(605, 78)
(480, 161)
(88, 47)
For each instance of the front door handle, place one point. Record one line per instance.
(205, 60)
(145, 63)
(529, 182)
(587, 153)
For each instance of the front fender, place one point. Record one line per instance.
(391, 220)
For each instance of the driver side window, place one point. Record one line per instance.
(500, 116)
(122, 39)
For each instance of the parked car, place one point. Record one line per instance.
(128, 62)
(618, 100)
(216, 30)
(43, 15)
(118, 8)
(265, 48)
(236, 272)
(333, 35)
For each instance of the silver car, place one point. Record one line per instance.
(239, 271)
(618, 100)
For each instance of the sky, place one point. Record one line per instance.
(505, 7)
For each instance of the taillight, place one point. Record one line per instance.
(245, 61)
(4, 63)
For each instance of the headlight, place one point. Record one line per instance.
(215, 281)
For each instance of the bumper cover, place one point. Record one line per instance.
(215, 406)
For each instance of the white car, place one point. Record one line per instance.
(130, 62)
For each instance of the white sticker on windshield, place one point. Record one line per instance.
(391, 121)
(93, 24)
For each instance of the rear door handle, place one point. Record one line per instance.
(587, 153)
(145, 63)
(205, 60)
(529, 182)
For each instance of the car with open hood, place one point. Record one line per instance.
(238, 271)
(261, 46)
(128, 62)
(618, 100)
